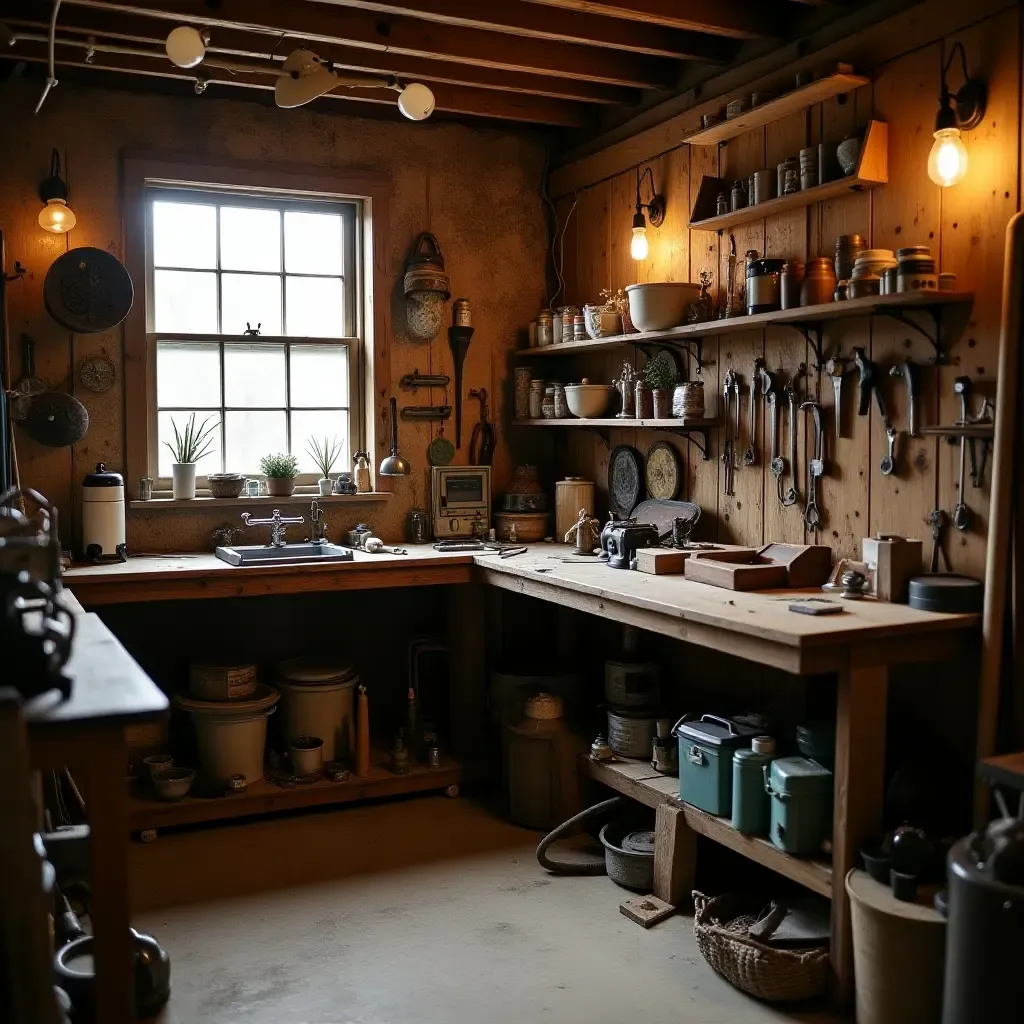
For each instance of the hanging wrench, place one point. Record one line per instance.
(937, 521)
(835, 368)
(908, 371)
(777, 465)
(750, 456)
(870, 380)
(790, 497)
(729, 441)
(734, 387)
(961, 514)
(815, 468)
(889, 460)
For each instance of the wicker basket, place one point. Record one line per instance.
(776, 975)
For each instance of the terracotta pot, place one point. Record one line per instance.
(280, 486)
(662, 403)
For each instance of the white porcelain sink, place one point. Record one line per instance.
(290, 554)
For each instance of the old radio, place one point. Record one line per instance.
(459, 494)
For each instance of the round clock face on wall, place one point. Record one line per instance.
(663, 471)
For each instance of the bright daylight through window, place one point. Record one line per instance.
(222, 265)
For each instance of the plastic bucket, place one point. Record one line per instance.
(321, 709)
(231, 744)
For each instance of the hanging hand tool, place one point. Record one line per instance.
(481, 442)
(750, 455)
(888, 463)
(728, 440)
(908, 371)
(416, 380)
(871, 381)
(777, 465)
(961, 515)
(937, 521)
(791, 496)
(735, 388)
(426, 412)
(835, 368)
(984, 416)
(815, 468)
(459, 339)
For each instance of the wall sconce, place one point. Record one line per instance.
(655, 211)
(959, 111)
(56, 216)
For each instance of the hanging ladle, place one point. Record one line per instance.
(394, 464)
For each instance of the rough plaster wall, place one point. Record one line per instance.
(477, 189)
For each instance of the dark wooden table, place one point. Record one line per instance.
(87, 733)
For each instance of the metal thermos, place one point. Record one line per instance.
(103, 520)
(751, 805)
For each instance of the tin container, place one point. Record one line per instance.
(418, 526)
(631, 733)
(819, 283)
(801, 804)
(722, 204)
(579, 327)
(706, 748)
(561, 405)
(536, 399)
(764, 285)
(221, 681)
(462, 316)
(751, 805)
(738, 196)
(630, 684)
(146, 489)
(792, 279)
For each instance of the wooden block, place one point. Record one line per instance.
(896, 561)
(646, 911)
(807, 565)
(736, 570)
(675, 855)
(672, 561)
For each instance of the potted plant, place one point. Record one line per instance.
(189, 446)
(324, 454)
(279, 469)
(661, 379)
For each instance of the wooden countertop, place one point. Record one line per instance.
(756, 625)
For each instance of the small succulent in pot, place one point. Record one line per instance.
(280, 470)
(324, 452)
(190, 445)
(661, 379)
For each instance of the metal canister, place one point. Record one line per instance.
(631, 733)
(461, 314)
(751, 805)
(579, 327)
(792, 278)
(763, 284)
(418, 526)
(738, 196)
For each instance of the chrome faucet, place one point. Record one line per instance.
(277, 526)
(317, 528)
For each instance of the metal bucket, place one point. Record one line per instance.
(628, 868)
(630, 733)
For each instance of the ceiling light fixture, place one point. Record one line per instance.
(186, 46)
(655, 210)
(416, 101)
(56, 216)
(959, 111)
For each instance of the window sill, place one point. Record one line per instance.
(264, 500)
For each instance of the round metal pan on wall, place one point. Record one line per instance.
(625, 479)
(88, 290)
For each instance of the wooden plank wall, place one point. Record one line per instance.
(963, 225)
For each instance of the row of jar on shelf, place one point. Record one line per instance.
(654, 395)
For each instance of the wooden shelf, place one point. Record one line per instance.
(871, 171)
(614, 421)
(266, 798)
(782, 106)
(242, 501)
(972, 431)
(637, 780)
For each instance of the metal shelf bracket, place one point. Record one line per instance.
(935, 337)
(812, 333)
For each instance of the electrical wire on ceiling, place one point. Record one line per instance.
(557, 239)
(51, 76)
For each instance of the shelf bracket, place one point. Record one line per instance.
(701, 445)
(812, 335)
(935, 337)
(697, 349)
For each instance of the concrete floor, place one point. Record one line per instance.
(425, 910)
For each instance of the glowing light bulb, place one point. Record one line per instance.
(57, 217)
(947, 162)
(638, 246)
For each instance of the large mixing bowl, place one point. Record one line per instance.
(660, 306)
(588, 401)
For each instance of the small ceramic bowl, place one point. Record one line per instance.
(226, 485)
(157, 763)
(174, 783)
(877, 864)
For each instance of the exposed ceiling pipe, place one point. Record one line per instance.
(51, 77)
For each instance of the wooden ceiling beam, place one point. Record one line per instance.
(737, 19)
(565, 26)
(237, 43)
(537, 110)
(327, 24)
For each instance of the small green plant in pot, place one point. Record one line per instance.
(661, 379)
(189, 446)
(280, 470)
(325, 453)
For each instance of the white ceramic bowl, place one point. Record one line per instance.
(588, 401)
(660, 306)
(174, 783)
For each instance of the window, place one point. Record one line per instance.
(223, 265)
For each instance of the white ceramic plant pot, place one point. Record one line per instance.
(183, 480)
(325, 484)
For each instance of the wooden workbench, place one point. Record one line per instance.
(858, 646)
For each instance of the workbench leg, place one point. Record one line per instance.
(111, 904)
(675, 856)
(467, 644)
(859, 798)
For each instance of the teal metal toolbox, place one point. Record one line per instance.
(801, 795)
(706, 746)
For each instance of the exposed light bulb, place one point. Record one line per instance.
(947, 162)
(416, 102)
(638, 246)
(57, 217)
(185, 46)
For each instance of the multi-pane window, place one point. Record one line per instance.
(224, 266)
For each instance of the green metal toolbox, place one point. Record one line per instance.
(706, 746)
(801, 795)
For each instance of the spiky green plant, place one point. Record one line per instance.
(659, 375)
(278, 466)
(324, 453)
(193, 443)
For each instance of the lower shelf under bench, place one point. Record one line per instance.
(637, 780)
(266, 798)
